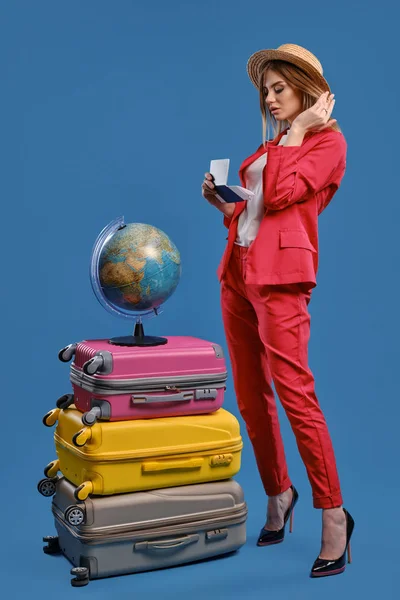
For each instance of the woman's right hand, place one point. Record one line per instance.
(209, 193)
(208, 190)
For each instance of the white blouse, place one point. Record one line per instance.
(252, 215)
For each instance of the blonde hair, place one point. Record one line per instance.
(299, 80)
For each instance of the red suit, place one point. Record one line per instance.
(265, 290)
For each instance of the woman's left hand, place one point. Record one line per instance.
(317, 116)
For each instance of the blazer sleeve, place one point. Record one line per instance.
(290, 178)
(227, 221)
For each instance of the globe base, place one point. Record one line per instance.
(138, 340)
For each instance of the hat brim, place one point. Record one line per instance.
(258, 59)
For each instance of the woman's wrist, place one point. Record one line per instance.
(295, 136)
(227, 208)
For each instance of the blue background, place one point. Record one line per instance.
(116, 108)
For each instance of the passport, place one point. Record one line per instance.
(219, 169)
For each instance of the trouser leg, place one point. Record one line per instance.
(252, 380)
(284, 327)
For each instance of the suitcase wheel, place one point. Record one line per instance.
(51, 417)
(80, 438)
(52, 468)
(53, 547)
(65, 401)
(83, 491)
(90, 417)
(81, 576)
(91, 366)
(74, 515)
(47, 487)
(67, 353)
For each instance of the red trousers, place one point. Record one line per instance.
(267, 329)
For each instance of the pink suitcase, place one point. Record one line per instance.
(186, 376)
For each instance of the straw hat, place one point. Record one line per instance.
(299, 56)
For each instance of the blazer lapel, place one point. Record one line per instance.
(260, 150)
(250, 159)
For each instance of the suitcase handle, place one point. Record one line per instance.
(203, 394)
(154, 467)
(168, 544)
(145, 399)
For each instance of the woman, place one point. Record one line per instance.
(267, 273)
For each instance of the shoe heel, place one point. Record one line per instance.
(291, 521)
(349, 553)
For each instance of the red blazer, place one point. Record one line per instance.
(298, 183)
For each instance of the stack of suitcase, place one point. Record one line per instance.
(147, 455)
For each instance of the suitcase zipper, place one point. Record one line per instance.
(168, 526)
(169, 454)
(235, 513)
(91, 383)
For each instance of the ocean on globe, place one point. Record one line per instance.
(139, 268)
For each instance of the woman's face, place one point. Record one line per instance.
(279, 94)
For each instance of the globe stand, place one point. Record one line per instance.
(138, 338)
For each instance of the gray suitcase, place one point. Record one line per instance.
(142, 531)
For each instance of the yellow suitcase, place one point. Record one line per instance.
(113, 457)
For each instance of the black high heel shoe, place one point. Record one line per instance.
(267, 537)
(323, 567)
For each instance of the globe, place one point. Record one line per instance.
(134, 269)
(138, 268)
